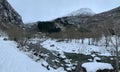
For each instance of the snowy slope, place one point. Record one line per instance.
(11, 60)
(82, 11)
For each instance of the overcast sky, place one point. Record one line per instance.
(42, 10)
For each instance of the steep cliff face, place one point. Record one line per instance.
(8, 16)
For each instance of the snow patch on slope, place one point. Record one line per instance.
(82, 11)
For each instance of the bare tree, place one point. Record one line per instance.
(113, 31)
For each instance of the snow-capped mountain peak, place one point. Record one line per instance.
(82, 11)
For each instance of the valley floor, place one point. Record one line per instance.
(13, 60)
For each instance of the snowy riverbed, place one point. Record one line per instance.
(74, 46)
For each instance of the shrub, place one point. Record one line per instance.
(81, 29)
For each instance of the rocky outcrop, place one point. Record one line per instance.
(8, 16)
(72, 20)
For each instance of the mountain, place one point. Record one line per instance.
(96, 23)
(8, 16)
(109, 19)
(75, 18)
(83, 12)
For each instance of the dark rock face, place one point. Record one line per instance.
(8, 16)
(72, 20)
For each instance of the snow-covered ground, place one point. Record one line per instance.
(94, 66)
(12, 60)
(75, 46)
